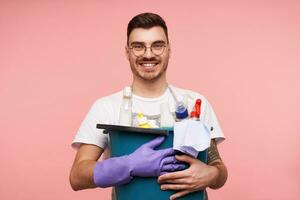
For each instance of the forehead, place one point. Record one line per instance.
(147, 36)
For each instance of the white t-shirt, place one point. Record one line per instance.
(106, 111)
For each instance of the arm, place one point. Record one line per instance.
(214, 160)
(81, 175)
(198, 176)
(143, 162)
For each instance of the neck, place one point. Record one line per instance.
(149, 89)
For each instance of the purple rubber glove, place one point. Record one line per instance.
(147, 162)
(143, 162)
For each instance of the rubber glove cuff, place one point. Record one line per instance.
(112, 172)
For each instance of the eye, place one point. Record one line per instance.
(138, 47)
(158, 45)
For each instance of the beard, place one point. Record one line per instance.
(138, 70)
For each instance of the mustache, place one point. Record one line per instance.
(147, 59)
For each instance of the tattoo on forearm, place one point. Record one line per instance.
(212, 152)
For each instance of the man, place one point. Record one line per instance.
(148, 51)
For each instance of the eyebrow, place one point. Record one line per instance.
(157, 41)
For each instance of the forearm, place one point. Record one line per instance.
(214, 160)
(222, 175)
(81, 176)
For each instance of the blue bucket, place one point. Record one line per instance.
(124, 141)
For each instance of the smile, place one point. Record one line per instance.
(148, 64)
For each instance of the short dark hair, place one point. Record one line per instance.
(146, 20)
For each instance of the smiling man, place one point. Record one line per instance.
(148, 52)
(144, 43)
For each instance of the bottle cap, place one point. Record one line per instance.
(127, 91)
(181, 111)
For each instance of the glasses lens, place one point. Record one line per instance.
(158, 48)
(138, 49)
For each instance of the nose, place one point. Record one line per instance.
(148, 52)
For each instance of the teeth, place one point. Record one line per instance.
(148, 64)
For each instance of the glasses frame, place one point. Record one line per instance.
(150, 47)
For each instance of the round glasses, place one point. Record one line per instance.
(139, 49)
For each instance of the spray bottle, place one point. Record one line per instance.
(195, 114)
(125, 116)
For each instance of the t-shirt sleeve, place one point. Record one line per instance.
(210, 120)
(88, 133)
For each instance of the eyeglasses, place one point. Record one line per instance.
(139, 48)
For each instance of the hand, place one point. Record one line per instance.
(197, 177)
(143, 162)
(147, 162)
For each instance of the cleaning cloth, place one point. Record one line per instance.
(191, 137)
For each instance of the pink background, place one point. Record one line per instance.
(58, 57)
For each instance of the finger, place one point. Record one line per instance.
(173, 175)
(162, 173)
(173, 167)
(174, 187)
(185, 158)
(177, 181)
(169, 160)
(179, 194)
(167, 152)
(155, 142)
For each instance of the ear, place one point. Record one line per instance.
(127, 52)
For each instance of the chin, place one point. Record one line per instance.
(150, 76)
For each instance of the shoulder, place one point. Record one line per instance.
(109, 100)
(105, 108)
